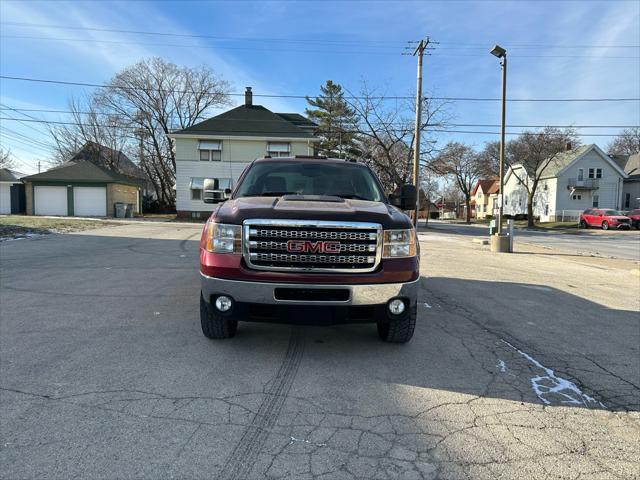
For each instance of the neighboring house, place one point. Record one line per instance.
(12, 197)
(573, 181)
(222, 146)
(484, 195)
(89, 184)
(631, 185)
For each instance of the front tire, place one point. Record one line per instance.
(605, 225)
(214, 325)
(583, 224)
(398, 331)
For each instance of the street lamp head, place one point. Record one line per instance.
(498, 51)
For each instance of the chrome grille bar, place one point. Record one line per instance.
(312, 246)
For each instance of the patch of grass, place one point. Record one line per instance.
(548, 225)
(19, 226)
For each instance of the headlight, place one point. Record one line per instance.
(399, 243)
(223, 238)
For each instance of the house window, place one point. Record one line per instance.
(546, 209)
(195, 187)
(279, 149)
(506, 200)
(580, 174)
(596, 201)
(546, 187)
(577, 197)
(598, 173)
(592, 173)
(627, 200)
(210, 151)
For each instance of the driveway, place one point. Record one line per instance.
(613, 244)
(522, 366)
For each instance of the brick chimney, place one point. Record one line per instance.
(567, 146)
(248, 97)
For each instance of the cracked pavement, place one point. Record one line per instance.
(522, 366)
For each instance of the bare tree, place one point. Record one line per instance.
(626, 143)
(93, 127)
(534, 152)
(385, 133)
(136, 111)
(460, 163)
(489, 160)
(428, 190)
(6, 159)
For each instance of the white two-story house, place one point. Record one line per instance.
(574, 180)
(222, 146)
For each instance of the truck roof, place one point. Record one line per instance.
(303, 158)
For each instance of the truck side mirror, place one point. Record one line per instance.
(406, 197)
(211, 191)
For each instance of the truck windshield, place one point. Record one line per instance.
(345, 180)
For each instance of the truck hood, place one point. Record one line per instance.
(346, 210)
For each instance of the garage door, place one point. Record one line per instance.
(5, 198)
(90, 201)
(50, 200)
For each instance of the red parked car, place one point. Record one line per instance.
(604, 218)
(634, 215)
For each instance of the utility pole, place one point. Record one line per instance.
(419, 51)
(38, 166)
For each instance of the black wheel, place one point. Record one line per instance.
(398, 331)
(605, 225)
(214, 325)
(583, 224)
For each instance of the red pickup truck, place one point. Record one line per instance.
(309, 240)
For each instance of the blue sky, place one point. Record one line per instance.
(292, 47)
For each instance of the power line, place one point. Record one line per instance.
(115, 114)
(390, 43)
(353, 97)
(490, 125)
(52, 122)
(272, 49)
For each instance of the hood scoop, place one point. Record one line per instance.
(312, 198)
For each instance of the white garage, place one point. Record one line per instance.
(90, 201)
(50, 200)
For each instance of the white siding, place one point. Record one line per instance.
(515, 194)
(236, 155)
(609, 188)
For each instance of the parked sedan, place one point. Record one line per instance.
(634, 215)
(604, 218)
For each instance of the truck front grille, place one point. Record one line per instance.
(318, 246)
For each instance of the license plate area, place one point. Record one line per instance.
(312, 294)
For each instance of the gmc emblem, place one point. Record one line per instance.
(307, 246)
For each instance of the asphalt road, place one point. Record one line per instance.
(613, 244)
(522, 366)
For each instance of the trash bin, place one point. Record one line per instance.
(129, 210)
(120, 210)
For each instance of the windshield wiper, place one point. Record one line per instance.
(350, 196)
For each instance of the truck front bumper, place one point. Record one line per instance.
(272, 293)
(275, 302)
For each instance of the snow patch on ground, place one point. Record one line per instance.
(502, 366)
(22, 236)
(550, 387)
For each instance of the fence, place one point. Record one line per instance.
(567, 216)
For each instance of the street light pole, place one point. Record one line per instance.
(500, 242)
(502, 139)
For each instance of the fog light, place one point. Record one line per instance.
(396, 306)
(224, 303)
